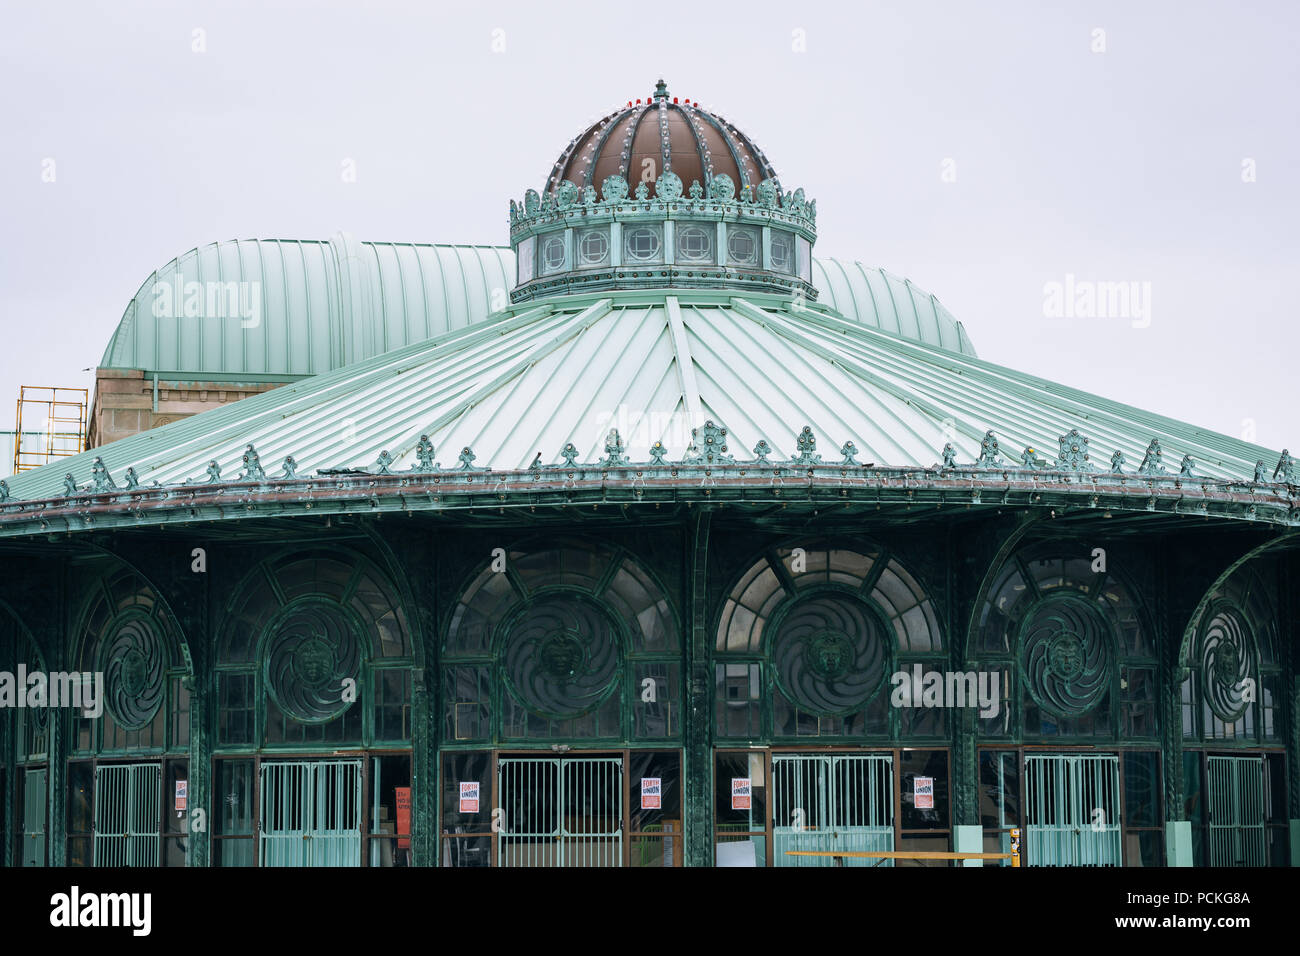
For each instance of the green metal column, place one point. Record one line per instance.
(1169, 688)
(698, 772)
(426, 685)
(9, 764)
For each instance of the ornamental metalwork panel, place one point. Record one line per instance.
(1066, 656)
(1236, 804)
(1225, 658)
(832, 802)
(560, 811)
(311, 813)
(1072, 810)
(134, 657)
(34, 817)
(313, 649)
(562, 656)
(128, 808)
(830, 654)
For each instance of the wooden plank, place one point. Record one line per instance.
(902, 855)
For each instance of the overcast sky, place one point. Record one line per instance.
(983, 150)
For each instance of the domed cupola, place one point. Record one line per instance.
(662, 193)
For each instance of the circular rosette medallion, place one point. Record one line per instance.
(133, 660)
(1066, 656)
(830, 654)
(562, 656)
(1225, 662)
(312, 649)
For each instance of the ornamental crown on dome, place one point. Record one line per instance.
(663, 193)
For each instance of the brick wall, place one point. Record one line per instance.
(123, 402)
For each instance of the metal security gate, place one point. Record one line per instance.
(311, 813)
(832, 802)
(1072, 810)
(1236, 795)
(128, 804)
(34, 817)
(560, 812)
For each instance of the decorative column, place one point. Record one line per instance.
(697, 774)
(1178, 829)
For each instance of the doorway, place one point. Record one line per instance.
(1236, 804)
(128, 805)
(832, 802)
(34, 801)
(311, 813)
(1072, 810)
(560, 811)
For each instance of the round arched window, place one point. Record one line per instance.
(643, 244)
(594, 248)
(694, 244)
(553, 253)
(782, 252)
(742, 246)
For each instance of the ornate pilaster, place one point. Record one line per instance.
(698, 771)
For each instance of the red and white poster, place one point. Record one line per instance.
(403, 816)
(182, 795)
(469, 796)
(651, 793)
(740, 793)
(923, 793)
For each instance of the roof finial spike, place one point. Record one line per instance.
(661, 90)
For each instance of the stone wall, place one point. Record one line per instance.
(124, 402)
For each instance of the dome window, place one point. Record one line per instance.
(742, 246)
(524, 260)
(553, 254)
(593, 247)
(782, 252)
(694, 245)
(643, 244)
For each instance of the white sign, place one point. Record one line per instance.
(469, 796)
(923, 793)
(651, 793)
(740, 793)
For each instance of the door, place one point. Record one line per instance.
(1236, 811)
(1072, 810)
(560, 811)
(311, 813)
(128, 803)
(34, 817)
(825, 802)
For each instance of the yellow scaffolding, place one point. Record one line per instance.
(51, 424)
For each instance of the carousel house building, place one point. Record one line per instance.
(649, 540)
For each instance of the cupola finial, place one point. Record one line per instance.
(661, 90)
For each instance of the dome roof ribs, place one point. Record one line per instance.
(685, 363)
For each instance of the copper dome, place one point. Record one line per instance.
(647, 137)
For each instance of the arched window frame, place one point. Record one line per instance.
(480, 704)
(1040, 576)
(252, 716)
(745, 675)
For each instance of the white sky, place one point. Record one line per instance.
(1124, 165)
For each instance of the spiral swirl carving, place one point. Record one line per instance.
(1225, 657)
(1067, 657)
(830, 654)
(313, 648)
(133, 660)
(562, 656)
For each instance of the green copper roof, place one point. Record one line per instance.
(316, 305)
(322, 305)
(654, 365)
